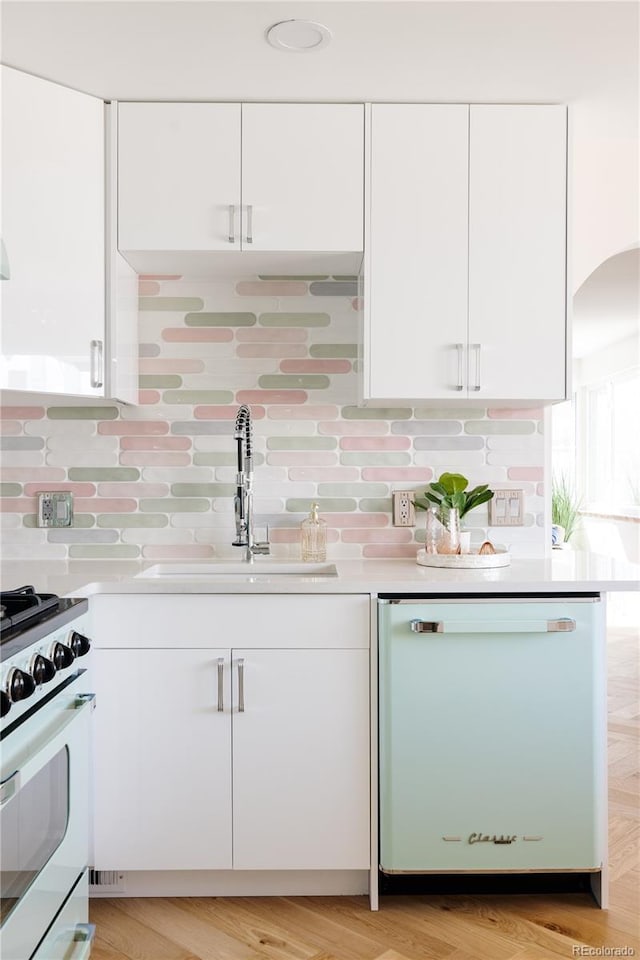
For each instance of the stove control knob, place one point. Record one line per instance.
(79, 644)
(20, 684)
(62, 655)
(42, 669)
(5, 703)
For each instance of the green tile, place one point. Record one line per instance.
(82, 413)
(333, 350)
(220, 459)
(115, 551)
(375, 458)
(197, 396)
(178, 304)
(235, 319)
(333, 288)
(157, 381)
(376, 413)
(375, 506)
(104, 474)
(352, 489)
(326, 505)
(448, 413)
(346, 277)
(487, 427)
(10, 489)
(306, 276)
(301, 443)
(168, 505)
(203, 489)
(294, 319)
(82, 520)
(303, 381)
(119, 520)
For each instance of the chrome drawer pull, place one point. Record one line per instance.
(460, 384)
(97, 360)
(220, 663)
(563, 625)
(427, 626)
(240, 686)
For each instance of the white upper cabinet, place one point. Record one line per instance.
(465, 260)
(261, 179)
(69, 321)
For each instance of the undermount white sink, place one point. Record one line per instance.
(236, 568)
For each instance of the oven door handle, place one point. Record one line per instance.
(55, 737)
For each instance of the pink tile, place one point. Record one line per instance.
(357, 303)
(354, 428)
(540, 489)
(169, 365)
(315, 366)
(271, 349)
(524, 413)
(156, 443)
(101, 505)
(26, 474)
(159, 276)
(206, 412)
(154, 458)
(133, 428)
(166, 551)
(301, 458)
(77, 489)
(148, 288)
(138, 489)
(391, 535)
(375, 443)
(271, 335)
(307, 412)
(271, 396)
(10, 428)
(356, 519)
(324, 474)
(391, 551)
(525, 473)
(271, 288)
(18, 504)
(197, 334)
(148, 396)
(410, 474)
(22, 413)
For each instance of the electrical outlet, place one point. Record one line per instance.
(506, 508)
(55, 509)
(404, 512)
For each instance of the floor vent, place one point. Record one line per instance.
(111, 881)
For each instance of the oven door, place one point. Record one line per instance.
(44, 817)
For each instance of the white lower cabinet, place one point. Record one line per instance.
(251, 756)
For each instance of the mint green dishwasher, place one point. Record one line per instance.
(492, 735)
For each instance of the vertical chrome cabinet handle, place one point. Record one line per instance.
(476, 348)
(220, 663)
(97, 357)
(249, 223)
(240, 686)
(460, 350)
(232, 223)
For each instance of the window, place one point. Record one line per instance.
(609, 448)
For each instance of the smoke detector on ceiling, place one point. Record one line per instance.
(298, 36)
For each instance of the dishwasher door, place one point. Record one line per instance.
(492, 735)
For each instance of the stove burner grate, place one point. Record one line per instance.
(25, 606)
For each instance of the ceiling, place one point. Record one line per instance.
(444, 51)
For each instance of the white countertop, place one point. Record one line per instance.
(565, 571)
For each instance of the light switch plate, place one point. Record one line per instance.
(55, 509)
(506, 508)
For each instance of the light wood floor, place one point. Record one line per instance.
(412, 928)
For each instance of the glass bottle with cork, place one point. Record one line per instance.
(313, 536)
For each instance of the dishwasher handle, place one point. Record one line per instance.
(562, 625)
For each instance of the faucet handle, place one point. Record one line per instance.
(262, 547)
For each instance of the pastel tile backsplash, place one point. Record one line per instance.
(157, 480)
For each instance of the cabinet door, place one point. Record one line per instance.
(517, 243)
(416, 267)
(162, 760)
(302, 176)
(53, 304)
(301, 760)
(178, 176)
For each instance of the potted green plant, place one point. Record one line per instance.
(565, 510)
(449, 492)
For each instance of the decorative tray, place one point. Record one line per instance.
(461, 561)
